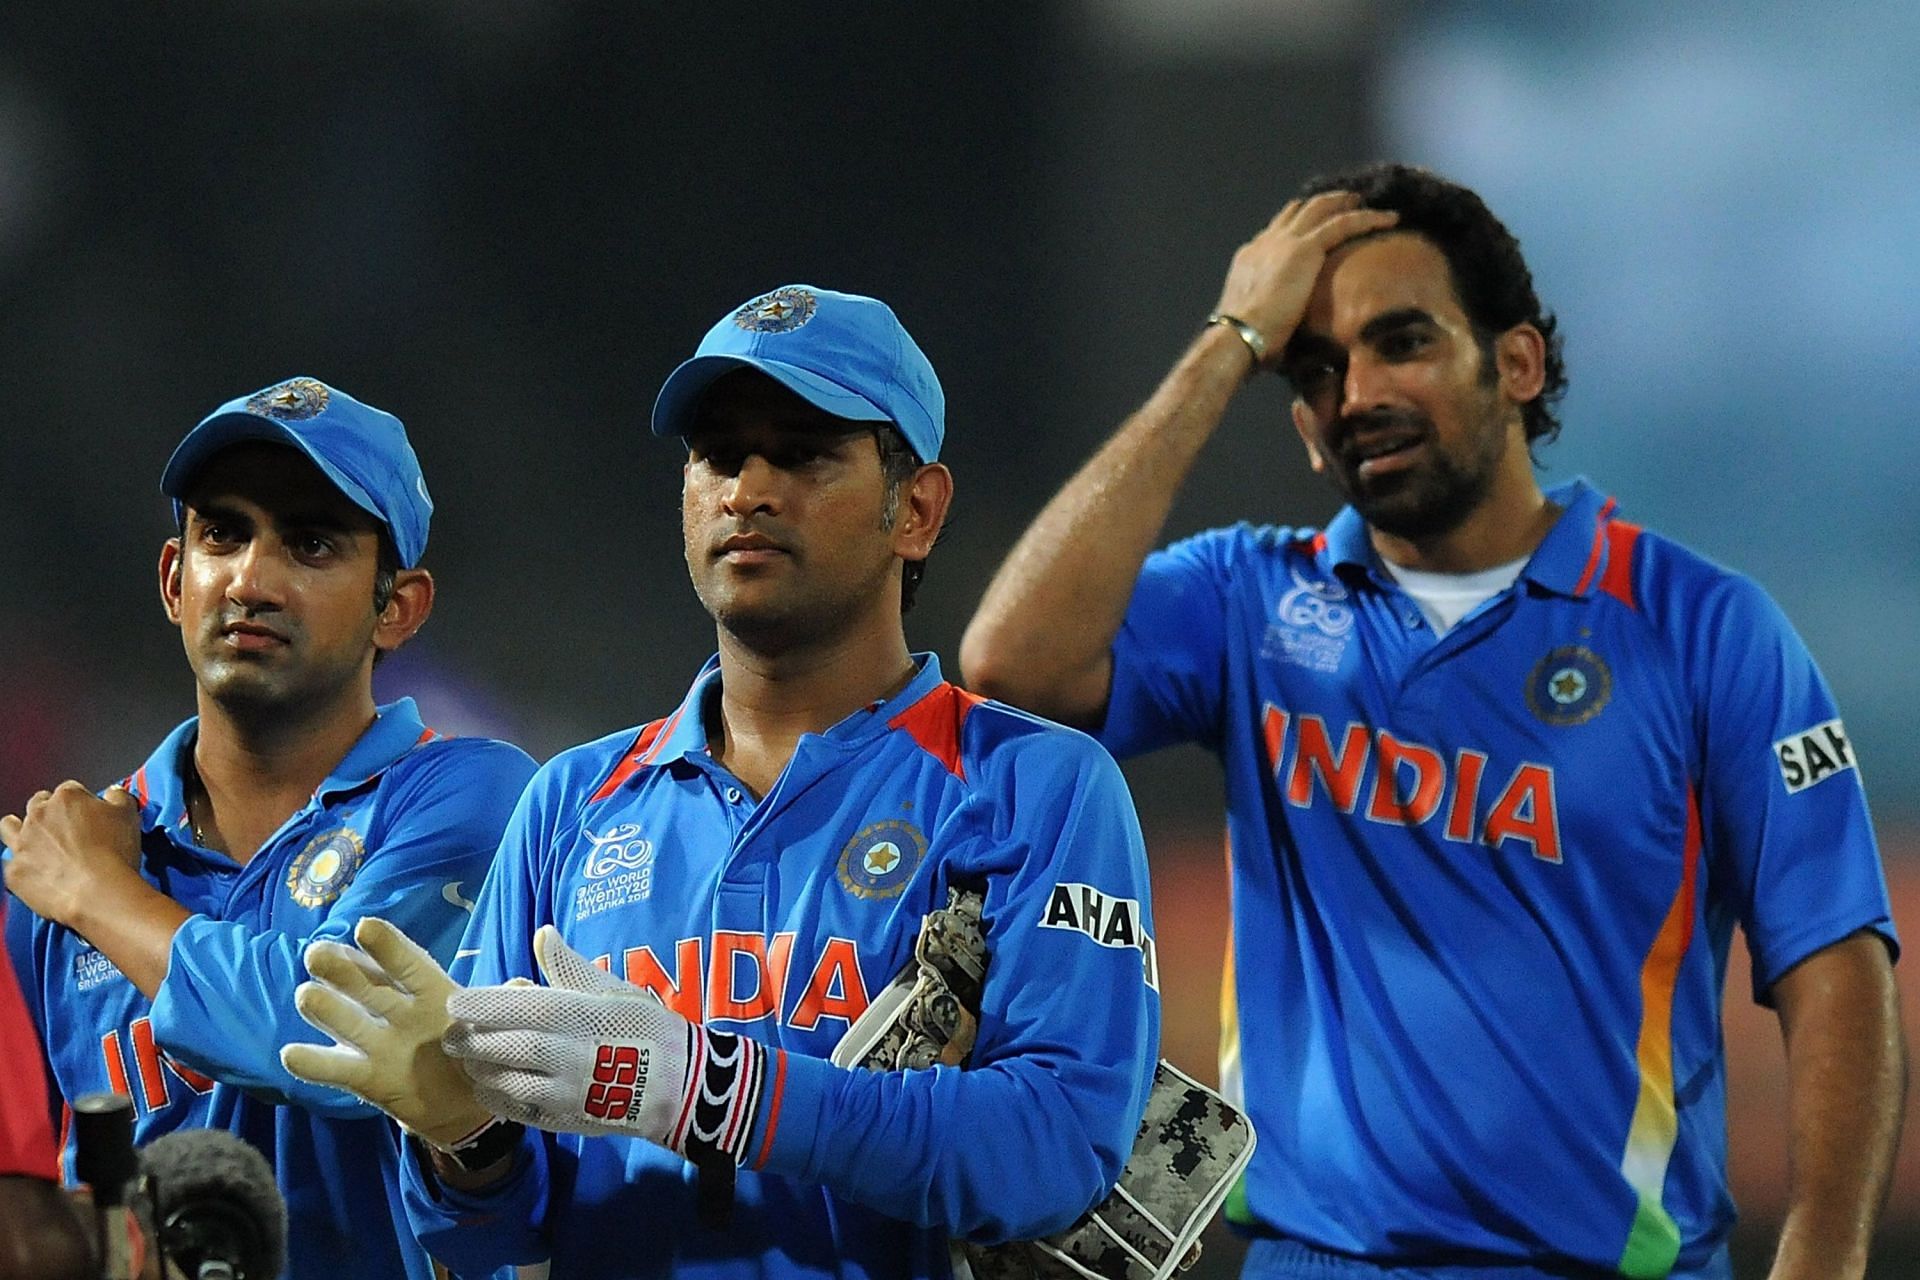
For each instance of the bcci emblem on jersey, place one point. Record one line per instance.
(881, 860)
(326, 867)
(1570, 686)
(781, 311)
(294, 400)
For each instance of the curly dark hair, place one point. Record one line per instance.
(1489, 274)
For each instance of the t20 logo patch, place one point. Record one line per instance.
(1813, 755)
(1315, 625)
(622, 848)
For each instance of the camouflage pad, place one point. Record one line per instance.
(1191, 1146)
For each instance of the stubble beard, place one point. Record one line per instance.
(1435, 497)
(268, 697)
(782, 621)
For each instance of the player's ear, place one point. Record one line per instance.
(1303, 426)
(1520, 361)
(406, 611)
(924, 500)
(172, 565)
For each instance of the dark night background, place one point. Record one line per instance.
(507, 220)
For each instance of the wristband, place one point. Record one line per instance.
(493, 1143)
(1256, 343)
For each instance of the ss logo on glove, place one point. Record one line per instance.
(619, 1072)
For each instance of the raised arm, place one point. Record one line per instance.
(1846, 1093)
(1041, 637)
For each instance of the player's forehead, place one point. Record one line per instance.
(261, 480)
(1389, 273)
(746, 401)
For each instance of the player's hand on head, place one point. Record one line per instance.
(592, 1054)
(1272, 275)
(384, 1004)
(66, 844)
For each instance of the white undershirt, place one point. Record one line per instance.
(1445, 598)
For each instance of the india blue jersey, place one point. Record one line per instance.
(1484, 884)
(781, 918)
(405, 829)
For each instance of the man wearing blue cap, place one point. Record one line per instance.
(169, 915)
(756, 865)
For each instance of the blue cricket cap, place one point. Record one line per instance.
(363, 450)
(845, 354)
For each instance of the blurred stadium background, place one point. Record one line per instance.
(506, 220)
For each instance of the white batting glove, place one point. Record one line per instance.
(591, 1054)
(385, 1005)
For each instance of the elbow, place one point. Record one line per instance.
(1037, 674)
(1054, 1204)
(994, 664)
(983, 665)
(1091, 1180)
(1081, 1169)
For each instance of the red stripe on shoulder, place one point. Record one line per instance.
(639, 754)
(426, 736)
(1617, 581)
(935, 722)
(137, 784)
(1310, 546)
(1599, 541)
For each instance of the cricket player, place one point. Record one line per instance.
(168, 917)
(756, 865)
(1503, 771)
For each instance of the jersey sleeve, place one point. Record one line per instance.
(476, 1232)
(1783, 810)
(26, 1120)
(1036, 1129)
(1169, 658)
(226, 1004)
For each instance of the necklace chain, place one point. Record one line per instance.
(206, 802)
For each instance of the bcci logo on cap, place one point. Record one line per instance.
(326, 867)
(881, 860)
(294, 400)
(781, 311)
(1570, 686)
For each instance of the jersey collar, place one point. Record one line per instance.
(1562, 563)
(1348, 546)
(1559, 563)
(685, 731)
(160, 784)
